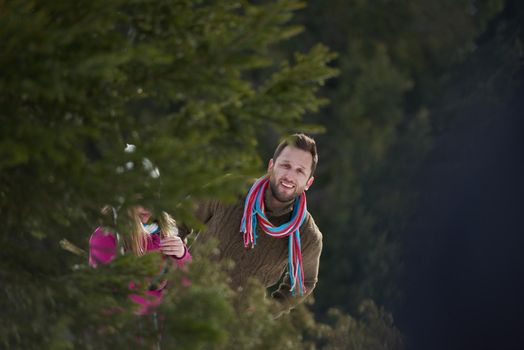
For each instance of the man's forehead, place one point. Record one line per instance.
(295, 156)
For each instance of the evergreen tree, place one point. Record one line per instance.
(180, 80)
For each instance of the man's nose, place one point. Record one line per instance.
(289, 175)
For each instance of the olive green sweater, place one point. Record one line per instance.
(268, 261)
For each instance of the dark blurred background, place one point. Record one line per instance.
(464, 262)
(433, 226)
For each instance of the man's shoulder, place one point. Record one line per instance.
(310, 228)
(219, 206)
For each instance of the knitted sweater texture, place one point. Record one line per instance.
(268, 261)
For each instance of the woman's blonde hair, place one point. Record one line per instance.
(138, 236)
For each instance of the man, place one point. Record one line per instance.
(278, 234)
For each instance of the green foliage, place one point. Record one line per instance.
(373, 331)
(245, 318)
(178, 79)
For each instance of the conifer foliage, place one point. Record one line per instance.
(187, 83)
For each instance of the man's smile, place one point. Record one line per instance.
(288, 185)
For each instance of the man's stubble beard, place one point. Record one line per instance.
(277, 195)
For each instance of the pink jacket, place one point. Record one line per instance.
(103, 247)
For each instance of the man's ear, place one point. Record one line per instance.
(270, 164)
(309, 183)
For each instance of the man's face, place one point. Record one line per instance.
(290, 173)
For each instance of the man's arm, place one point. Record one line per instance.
(203, 213)
(310, 262)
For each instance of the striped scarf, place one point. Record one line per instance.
(254, 211)
(152, 228)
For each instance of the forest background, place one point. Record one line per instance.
(204, 90)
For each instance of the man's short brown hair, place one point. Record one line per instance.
(300, 141)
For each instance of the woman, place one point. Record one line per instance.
(147, 234)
